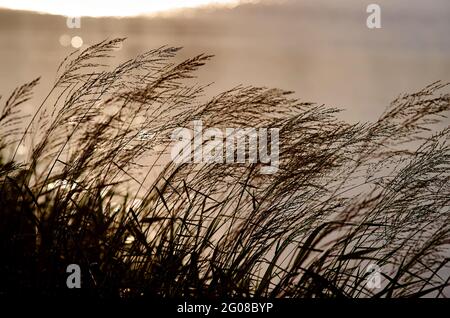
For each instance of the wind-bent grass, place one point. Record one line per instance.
(93, 192)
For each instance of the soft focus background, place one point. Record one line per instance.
(320, 49)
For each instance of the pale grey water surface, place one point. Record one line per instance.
(322, 50)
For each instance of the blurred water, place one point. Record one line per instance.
(320, 49)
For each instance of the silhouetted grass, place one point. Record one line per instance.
(97, 189)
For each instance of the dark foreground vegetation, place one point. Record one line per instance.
(347, 197)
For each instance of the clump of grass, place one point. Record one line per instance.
(93, 192)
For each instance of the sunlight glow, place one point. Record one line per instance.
(97, 8)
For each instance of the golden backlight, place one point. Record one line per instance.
(97, 8)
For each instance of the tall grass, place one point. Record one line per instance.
(97, 189)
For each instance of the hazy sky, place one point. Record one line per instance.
(97, 8)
